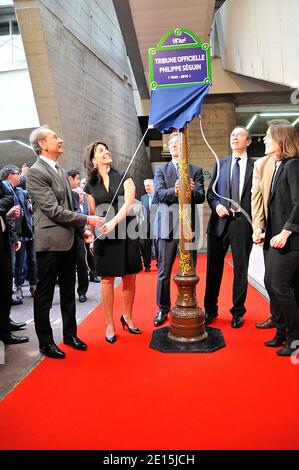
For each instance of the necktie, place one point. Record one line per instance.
(177, 170)
(60, 171)
(235, 182)
(150, 199)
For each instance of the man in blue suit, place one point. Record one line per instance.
(229, 227)
(167, 221)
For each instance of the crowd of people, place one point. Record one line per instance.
(54, 225)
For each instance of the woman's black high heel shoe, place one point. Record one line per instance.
(110, 339)
(133, 331)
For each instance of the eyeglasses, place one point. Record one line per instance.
(15, 173)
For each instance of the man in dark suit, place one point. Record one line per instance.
(230, 226)
(147, 241)
(167, 221)
(7, 210)
(55, 241)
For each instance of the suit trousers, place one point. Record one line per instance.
(146, 251)
(282, 284)
(82, 268)
(5, 288)
(53, 265)
(237, 235)
(167, 250)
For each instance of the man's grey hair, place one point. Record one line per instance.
(148, 181)
(36, 135)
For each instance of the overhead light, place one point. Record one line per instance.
(251, 121)
(278, 114)
(8, 141)
(295, 122)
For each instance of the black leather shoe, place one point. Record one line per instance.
(277, 341)
(75, 342)
(13, 326)
(237, 321)
(265, 325)
(110, 339)
(94, 278)
(82, 298)
(287, 350)
(51, 350)
(160, 318)
(209, 318)
(133, 331)
(13, 339)
(16, 302)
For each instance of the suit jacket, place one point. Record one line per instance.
(167, 216)
(53, 210)
(216, 225)
(6, 203)
(263, 171)
(149, 214)
(283, 204)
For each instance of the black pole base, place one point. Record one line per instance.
(163, 343)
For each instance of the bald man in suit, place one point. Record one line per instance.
(56, 225)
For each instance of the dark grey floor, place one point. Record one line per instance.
(20, 359)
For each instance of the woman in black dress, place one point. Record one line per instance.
(115, 252)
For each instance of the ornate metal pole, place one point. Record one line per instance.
(187, 318)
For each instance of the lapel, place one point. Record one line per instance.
(62, 180)
(248, 175)
(276, 177)
(171, 174)
(224, 176)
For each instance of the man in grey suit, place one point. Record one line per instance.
(167, 221)
(55, 241)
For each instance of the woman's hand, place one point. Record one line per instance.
(280, 240)
(91, 248)
(108, 226)
(258, 236)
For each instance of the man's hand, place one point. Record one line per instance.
(258, 236)
(176, 187)
(88, 236)
(222, 211)
(192, 184)
(95, 221)
(280, 240)
(14, 213)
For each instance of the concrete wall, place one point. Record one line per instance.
(80, 77)
(259, 38)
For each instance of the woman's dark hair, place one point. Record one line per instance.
(91, 171)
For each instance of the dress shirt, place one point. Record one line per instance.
(50, 162)
(242, 165)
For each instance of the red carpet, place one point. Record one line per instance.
(128, 396)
